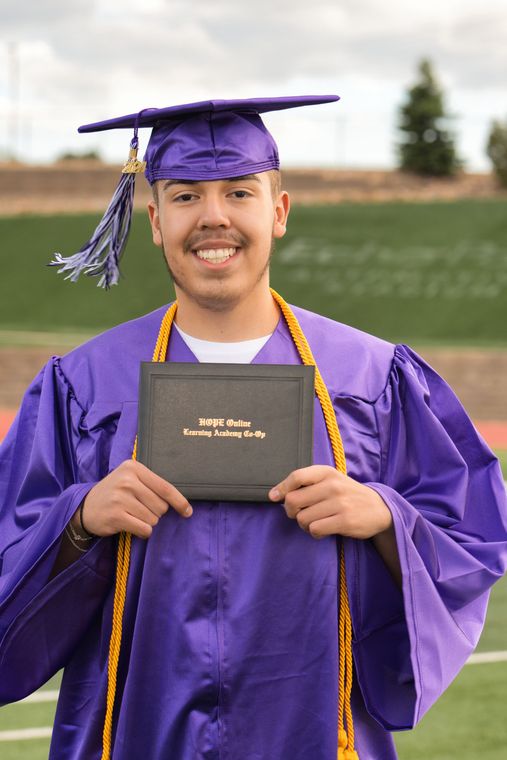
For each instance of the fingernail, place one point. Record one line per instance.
(274, 494)
(188, 511)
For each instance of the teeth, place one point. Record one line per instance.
(217, 255)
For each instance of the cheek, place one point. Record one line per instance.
(262, 229)
(173, 236)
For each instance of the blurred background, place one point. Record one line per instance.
(398, 225)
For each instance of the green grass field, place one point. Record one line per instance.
(502, 457)
(432, 272)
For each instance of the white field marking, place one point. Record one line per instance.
(51, 695)
(47, 695)
(480, 657)
(25, 733)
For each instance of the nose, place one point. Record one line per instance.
(213, 212)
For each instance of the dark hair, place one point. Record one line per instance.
(275, 178)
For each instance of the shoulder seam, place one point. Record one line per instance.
(388, 377)
(72, 392)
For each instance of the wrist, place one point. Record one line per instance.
(78, 528)
(82, 525)
(382, 515)
(75, 526)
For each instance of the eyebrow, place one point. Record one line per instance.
(171, 182)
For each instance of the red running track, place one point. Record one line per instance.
(494, 433)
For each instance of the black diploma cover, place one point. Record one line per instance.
(225, 432)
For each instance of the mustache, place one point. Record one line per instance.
(236, 240)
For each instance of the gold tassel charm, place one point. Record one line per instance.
(133, 165)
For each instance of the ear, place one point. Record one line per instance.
(155, 223)
(282, 208)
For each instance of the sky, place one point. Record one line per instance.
(69, 62)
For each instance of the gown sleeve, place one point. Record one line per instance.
(446, 494)
(42, 484)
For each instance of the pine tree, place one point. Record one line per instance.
(427, 147)
(497, 150)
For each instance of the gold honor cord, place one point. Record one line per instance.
(345, 723)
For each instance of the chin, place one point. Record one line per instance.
(215, 299)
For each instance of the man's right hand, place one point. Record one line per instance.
(131, 498)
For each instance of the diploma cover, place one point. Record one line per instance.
(225, 432)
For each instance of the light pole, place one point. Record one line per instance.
(13, 83)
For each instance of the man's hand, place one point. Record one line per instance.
(131, 498)
(325, 502)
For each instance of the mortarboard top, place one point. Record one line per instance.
(149, 116)
(207, 140)
(211, 139)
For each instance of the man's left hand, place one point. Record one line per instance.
(326, 502)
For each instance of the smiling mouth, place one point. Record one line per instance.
(215, 255)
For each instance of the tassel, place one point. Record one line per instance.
(344, 751)
(100, 256)
(347, 754)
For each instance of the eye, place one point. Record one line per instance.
(240, 193)
(184, 197)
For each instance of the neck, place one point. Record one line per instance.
(253, 317)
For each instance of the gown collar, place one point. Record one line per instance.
(278, 349)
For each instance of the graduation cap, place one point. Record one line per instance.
(208, 140)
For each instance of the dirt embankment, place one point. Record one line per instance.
(77, 186)
(478, 376)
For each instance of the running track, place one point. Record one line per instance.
(494, 433)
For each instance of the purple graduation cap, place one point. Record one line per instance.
(208, 140)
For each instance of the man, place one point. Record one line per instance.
(230, 641)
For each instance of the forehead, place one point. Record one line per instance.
(243, 178)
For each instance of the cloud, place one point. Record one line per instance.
(83, 61)
(226, 41)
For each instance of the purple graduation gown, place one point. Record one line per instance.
(230, 645)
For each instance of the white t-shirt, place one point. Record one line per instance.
(239, 352)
